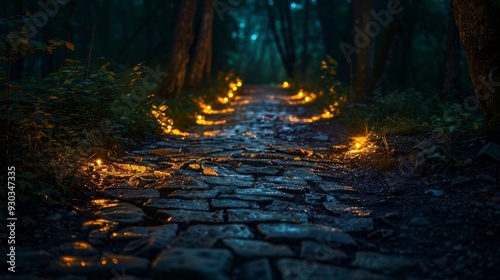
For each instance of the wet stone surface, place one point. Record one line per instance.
(232, 203)
(247, 199)
(264, 192)
(254, 249)
(382, 263)
(322, 252)
(247, 169)
(260, 216)
(220, 231)
(123, 213)
(257, 270)
(132, 194)
(174, 203)
(297, 269)
(192, 264)
(305, 232)
(187, 217)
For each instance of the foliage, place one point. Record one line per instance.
(395, 112)
(56, 125)
(59, 124)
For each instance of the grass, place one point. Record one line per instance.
(63, 122)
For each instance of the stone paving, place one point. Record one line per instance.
(253, 198)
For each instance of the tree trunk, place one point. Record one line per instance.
(479, 27)
(333, 35)
(361, 10)
(384, 56)
(305, 38)
(285, 45)
(452, 80)
(17, 66)
(203, 52)
(171, 86)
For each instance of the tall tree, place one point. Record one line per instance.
(18, 66)
(479, 26)
(305, 38)
(327, 11)
(202, 61)
(171, 86)
(384, 55)
(285, 42)
(361, 10)
(452, 80)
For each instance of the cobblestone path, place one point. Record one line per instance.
(252, 196)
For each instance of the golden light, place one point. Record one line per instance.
(209, 107)
(81, 245)
(235, 87)
(361, 143)
(301, 94)
(98, 162)
(200, 119)
(178, 132)
(104, 262)
(239, 84)
(82, 263)
(307, 99)
(286, 84)
(230, 94)
(169, 219)
(68, 259)
(223, 100)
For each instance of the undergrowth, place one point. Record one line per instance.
(53, 126)
(398, 112)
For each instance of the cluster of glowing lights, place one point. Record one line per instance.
(302, 97)
(200, 119)
(208, 110)
(361, 144)
(166, 123)
(233, 87)
(325, 115)
(234, 83)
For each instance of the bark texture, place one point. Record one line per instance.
(361, 10)
(171, 86)
(284, 39)
(452, 80)
(479, 25)
(202, 61)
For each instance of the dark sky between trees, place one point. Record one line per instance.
(410, 49)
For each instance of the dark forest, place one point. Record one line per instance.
(248, 139)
